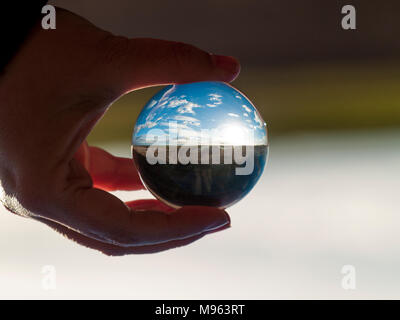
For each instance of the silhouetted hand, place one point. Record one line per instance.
(52, 93)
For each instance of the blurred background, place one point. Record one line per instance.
(329, 196)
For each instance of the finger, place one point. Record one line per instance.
(149, 204)
(113, 173)
(143, 62)
(107, 171)
(102, 216)
(113, 250)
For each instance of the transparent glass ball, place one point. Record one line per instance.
(201, 143)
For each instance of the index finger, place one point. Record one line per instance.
(108, 172)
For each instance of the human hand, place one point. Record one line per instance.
(52, 93)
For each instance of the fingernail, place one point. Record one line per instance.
(229, 64)
(224, 227)
(223, 222)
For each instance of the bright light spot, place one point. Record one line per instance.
(234, 134)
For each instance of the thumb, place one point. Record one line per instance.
(142, 62)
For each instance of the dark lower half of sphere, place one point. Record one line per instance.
(216, 185)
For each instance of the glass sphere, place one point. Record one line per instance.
(201, 143)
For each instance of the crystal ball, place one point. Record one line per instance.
(201, 143)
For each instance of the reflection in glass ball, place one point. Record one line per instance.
(200, 143)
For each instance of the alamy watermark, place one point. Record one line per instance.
(49, 20)
(49, 279)
(348, 21)
(349, 18)
(349, 277)
(201, 147)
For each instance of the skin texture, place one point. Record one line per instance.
(52, 93)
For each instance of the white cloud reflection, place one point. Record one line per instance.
(187, 114)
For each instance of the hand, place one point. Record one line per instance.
(52, 93)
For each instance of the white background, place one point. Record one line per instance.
(324, 201)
